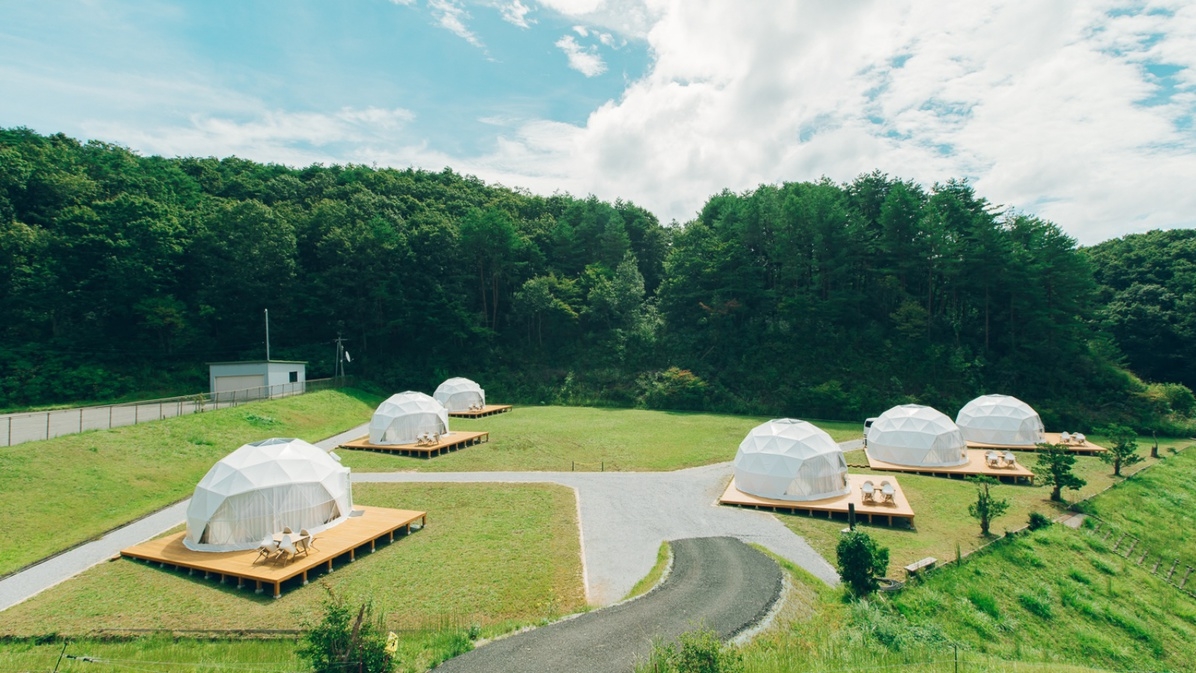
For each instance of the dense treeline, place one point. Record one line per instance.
(124, 273)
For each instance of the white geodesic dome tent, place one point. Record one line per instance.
(458, 394)
(262, 487)
(402, 418)
(787, 459)
(1000, 420)
(914, 435)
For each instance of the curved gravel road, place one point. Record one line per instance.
(717, 583)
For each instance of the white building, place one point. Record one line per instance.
(256, 378)
(1000, 420)
(257, 490)
(915, 435)
(788, 459)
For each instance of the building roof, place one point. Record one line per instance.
(259, 362)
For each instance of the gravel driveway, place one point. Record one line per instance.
(717, 583)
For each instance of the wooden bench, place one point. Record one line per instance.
(913, 568)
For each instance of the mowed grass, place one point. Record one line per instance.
(588, 439)
(941, 517)
(66, 490)
(491, 554)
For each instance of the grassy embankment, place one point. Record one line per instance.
(494, 555)
(941, 506)
(66, 490)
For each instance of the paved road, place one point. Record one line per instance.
(716, 582)
(624, 517)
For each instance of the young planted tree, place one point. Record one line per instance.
(861, 561)
(1054, 469)
(341, 642)
(987, 507)
(1124, 451)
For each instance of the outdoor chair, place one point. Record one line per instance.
(992, 459)
(267, 548)
(1010, 459)
(869, 491)
(287, 529)
(286, 550)
(1079, 438)
(308, 540)
(887, 489)
(1065, 438)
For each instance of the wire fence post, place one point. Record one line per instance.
(80, 419)
(47, 425)
(110, 417)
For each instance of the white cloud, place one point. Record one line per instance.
(294, 138)
(1033, 101)
(582, 59)
(515, 12)
(451, 17)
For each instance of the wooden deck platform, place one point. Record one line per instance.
(1087, 448)
(374, 524)
(488, 410)
(975, 465)
(898, 510)
(453, 441)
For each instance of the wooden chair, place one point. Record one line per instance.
(306, 542)
(1079, 439)
(286, 550)
(868, 491)
(992, 459)
(1065, 437)
(1010, 459)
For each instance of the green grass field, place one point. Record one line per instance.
(66, 490)
(588, 439)
(491, 553)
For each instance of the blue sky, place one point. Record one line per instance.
(1079, 111)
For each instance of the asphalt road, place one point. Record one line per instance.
(717, 583)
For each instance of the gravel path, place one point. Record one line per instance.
(624, 517)
(716, 582)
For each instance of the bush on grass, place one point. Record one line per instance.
(342, 642)
(695, 652)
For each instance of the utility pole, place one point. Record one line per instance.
(338, 369)
(267, 334)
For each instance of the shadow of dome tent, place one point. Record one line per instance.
(916, 435)
(460, 394)
(1000, 420)
(402, 418)
(263, 487)
(788, 459)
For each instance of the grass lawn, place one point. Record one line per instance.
(941, 510)
(491, 554)
(66, 490)
(588, 439)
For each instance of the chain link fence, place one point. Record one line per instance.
(38, 425)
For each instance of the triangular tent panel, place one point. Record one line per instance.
(404, 417)
(260, 488)
(458, 394)
(1001, 420)
(914, 435)
(787, 459)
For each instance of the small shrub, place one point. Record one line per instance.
(984, 603)
(1038, 521)
(260, 421)
(1035, 605)
(860, 562)
(695, 652)
(341, 642)
(673, 389)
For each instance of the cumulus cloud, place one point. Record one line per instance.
(515, 13)
(1050, 122)
(582, 59)
(451, 16)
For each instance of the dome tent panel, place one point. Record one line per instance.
(1000, 419)
(402, 418)
(460, 394)
(258, 489)
(788, 459)
(916, 435)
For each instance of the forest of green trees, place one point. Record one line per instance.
(123, 274)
